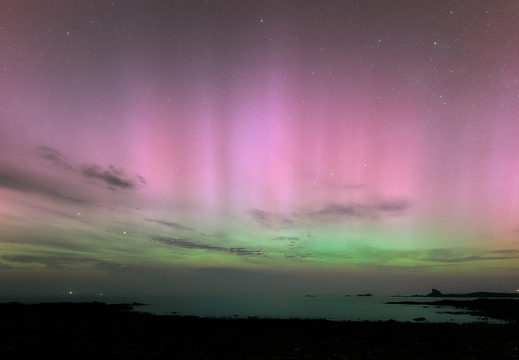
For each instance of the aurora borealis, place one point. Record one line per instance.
(259, 146)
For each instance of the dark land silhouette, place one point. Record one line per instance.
(97, 330)
(478, 294)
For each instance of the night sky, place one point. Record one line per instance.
(180, 147)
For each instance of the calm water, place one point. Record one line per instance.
(333, 307)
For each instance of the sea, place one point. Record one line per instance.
(330, 307)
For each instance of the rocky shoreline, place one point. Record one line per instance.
(98, 330)
(501, 309)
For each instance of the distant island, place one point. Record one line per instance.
(479, 294)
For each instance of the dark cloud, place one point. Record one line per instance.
(61, 261)
(460, 256)
(394, 206)
(509, 252)
(359, 210)
(26, 259)
(112, 177)
(270, 219)
(56, 157)
(299, 256)
(245, 252)
(25, 181)
(140, 179)
(348, 210)
(332, 212)
(172, 224)
(50, 260)
(187, 244)
(283, 238)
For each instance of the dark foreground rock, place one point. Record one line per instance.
(99, 331)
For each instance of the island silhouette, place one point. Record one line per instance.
(478, 294)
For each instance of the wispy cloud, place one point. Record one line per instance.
(346, 210)
(23, 181)
(188, 244)
(371, 210)
(54, 260)
(57, 185)
(299, 256)
(171, 224)
(460, 256)
(286, 238)
(271, 220)
(112, 177)
(56, 157)
(332, 212)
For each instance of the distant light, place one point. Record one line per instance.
(124, 232)
(70, 292)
